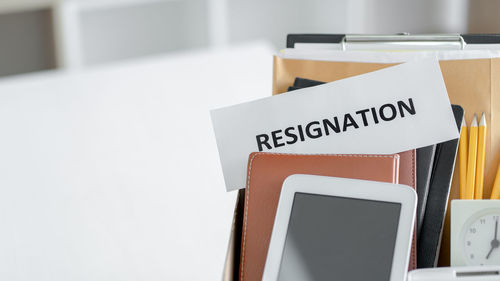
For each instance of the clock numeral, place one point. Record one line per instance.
(473, 230)
(472, 256)
(469, 243)
(482, 221)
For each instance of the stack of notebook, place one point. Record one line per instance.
(266, 173)
(428, 169)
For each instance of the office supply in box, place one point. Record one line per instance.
(403, 41)
(459, 273)
(425, 164)
(425, 161)
(481, 154)
(329, 228)
(471, 160)
(475, 235)
(472, 78)
(265, 176)
(433, 224)
(495, 192)
(463, 149)
(304, 83)
(377, 114)
(393, 48)
(300, 83)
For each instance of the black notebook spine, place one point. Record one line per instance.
(437, 199)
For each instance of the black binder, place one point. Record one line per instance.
(437, 201)
(425, 163)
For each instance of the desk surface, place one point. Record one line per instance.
(112, 173)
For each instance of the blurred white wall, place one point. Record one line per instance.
(423, 16)
(273, 20)
(121, 32)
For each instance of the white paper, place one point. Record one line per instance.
(427, 118)
(313, 53)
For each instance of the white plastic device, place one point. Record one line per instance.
(463, 273)
(330, 228)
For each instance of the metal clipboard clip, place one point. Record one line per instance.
(404, 41)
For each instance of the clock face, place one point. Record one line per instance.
(481, 238)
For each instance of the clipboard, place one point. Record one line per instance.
(394, 41)
(473, 83)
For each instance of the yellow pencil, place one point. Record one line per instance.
(471, 159)
(495, 192)
(462, 158)
(481, 153)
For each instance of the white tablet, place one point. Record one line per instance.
(341, 229)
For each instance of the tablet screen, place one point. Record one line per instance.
(338, 238)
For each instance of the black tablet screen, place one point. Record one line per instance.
(337, 238)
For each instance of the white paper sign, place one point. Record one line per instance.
(387, 111)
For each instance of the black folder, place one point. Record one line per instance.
(425, 163)
(437, 200)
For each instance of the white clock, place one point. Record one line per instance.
(475, 232)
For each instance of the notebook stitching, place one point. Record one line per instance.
(328, 154)
(247, 193)
(247, 196)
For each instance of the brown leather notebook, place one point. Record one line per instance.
(265, 176)
(408, 176)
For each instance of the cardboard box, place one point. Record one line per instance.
(232, 263)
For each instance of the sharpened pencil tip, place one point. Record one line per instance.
(474, 121)
(483, 120)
